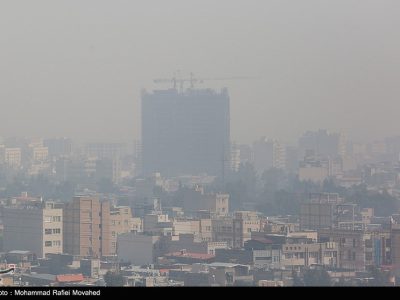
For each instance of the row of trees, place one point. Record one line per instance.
(320, 277)
(276, 192)
(43, 186)
(309, 277)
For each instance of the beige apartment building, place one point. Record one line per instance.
(12, 157)
(87, 227)
(182, 226)
(40, 154)
(304, 255)
(200, 228)
(120, 222)
(35, 229)
(205, 230)
(136, 225)
(222, 230)
(244, 223)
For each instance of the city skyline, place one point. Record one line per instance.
(198, 143)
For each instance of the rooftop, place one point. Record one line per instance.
(224, 265)
(190, 255)
(48, 277)
(69, 278)
(19, 252)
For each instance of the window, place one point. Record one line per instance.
(354, 243)
(368, 243)
(48, 231)
(56, 230)
(56, 243)
(113, 234)
(261, 258)
(57, 219)
(354, 256)
(47, 244)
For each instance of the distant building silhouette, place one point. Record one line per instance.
(185, 132)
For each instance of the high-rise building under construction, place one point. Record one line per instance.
(185, 132)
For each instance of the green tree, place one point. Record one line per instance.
(379, 278)
(296, 279)
(114, 279)
(341, 282)
(241, 186)
(65, 190)
(316, 277)
(383, 203)
(273, 179)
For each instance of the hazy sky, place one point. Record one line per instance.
(76, 67)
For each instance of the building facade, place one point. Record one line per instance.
(185, 132)
(87, 227)
(35, 229)
(120, 222)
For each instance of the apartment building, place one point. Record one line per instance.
(87, 227)
(300, 255)
(13, 157)
(38, 229)
(40, 154)
(120, 222)
(351, 243)
(244, 223)
(222, 230)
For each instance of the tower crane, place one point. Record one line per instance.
(194, 80)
